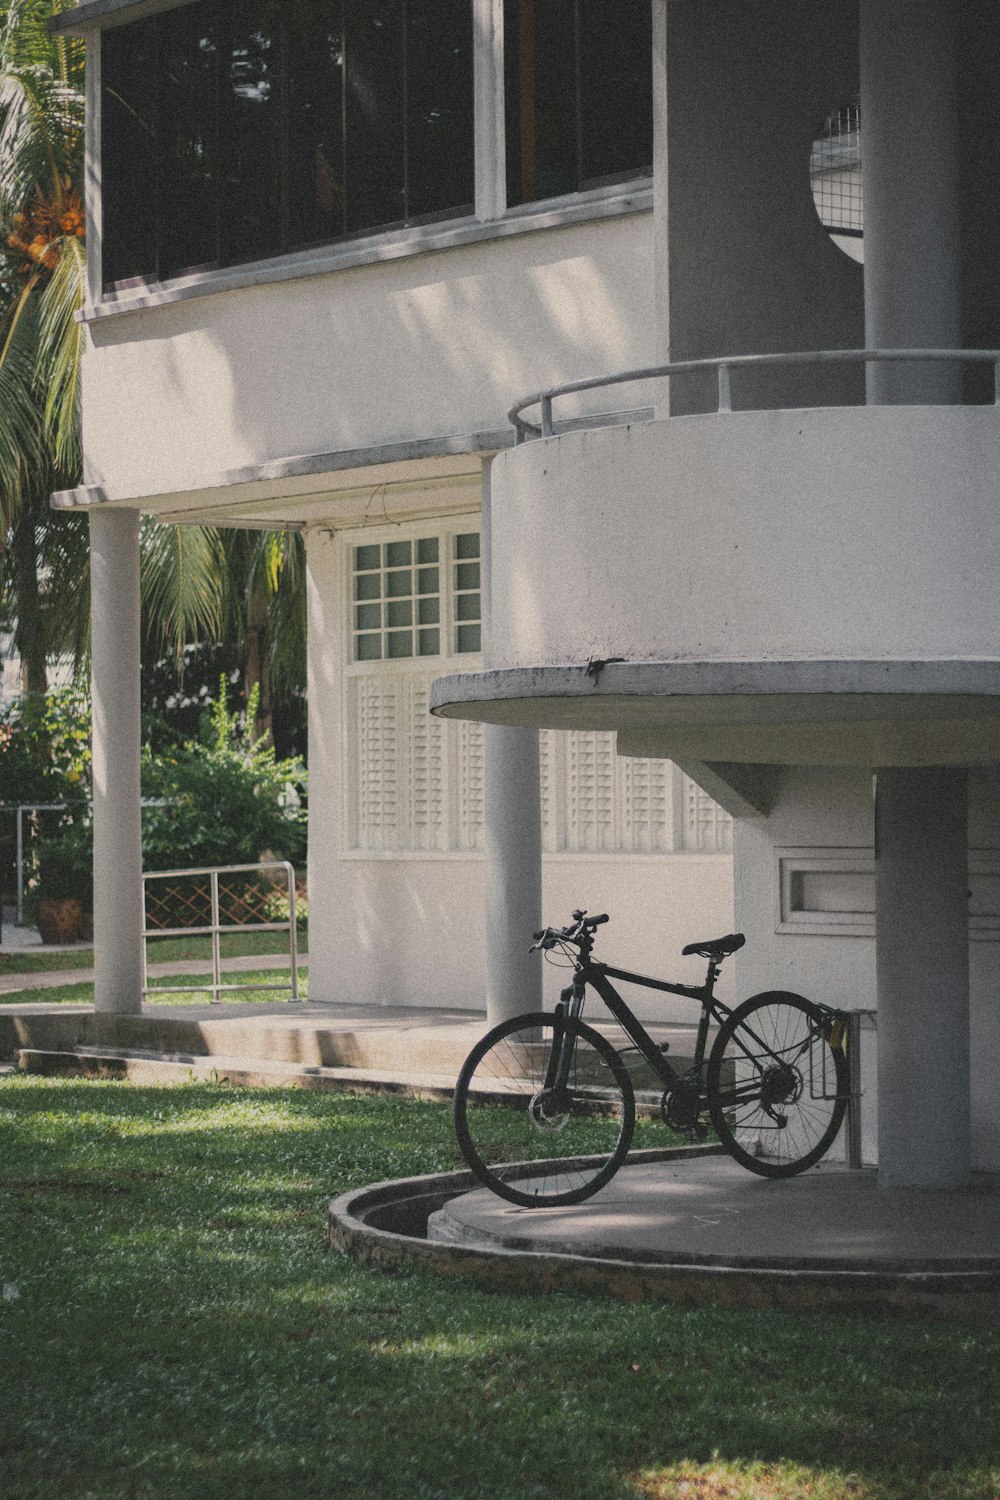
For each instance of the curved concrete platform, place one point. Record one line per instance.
(715, 1213)
(695, 1228)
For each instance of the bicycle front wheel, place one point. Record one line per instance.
(544, 1111)
(777, 1088)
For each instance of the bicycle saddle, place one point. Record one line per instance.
(716, 947)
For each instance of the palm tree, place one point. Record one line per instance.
(195, 584)
(42, 270)
(266, 613)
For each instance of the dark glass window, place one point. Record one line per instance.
(373, 76)
(234, 130)
(579, 94)
(187, 176)
(439, 105)
(252, 121)
(130, 149)
(315, 176)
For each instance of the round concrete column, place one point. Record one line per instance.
(115, 630)
(513, 872)
(513, 835)
(909, 154)
(922, 965)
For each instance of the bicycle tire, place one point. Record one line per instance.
(777, 1090)
(568, 1145)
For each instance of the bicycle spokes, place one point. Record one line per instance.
(544, 1111)
(778, 1088)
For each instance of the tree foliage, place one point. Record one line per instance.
(42, 279)
(198, 584)
(228, 798)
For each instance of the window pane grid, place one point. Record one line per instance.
(468, 601)
(399, 607)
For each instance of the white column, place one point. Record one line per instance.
(513, 841)
(513, 872)
(488, 83)
(909, 153)
(115, 630)
(922, 965)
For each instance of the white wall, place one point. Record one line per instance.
(825, 811)
(408, 928)
(431, 345)
(837, 533)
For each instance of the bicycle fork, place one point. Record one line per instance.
(568, 1007)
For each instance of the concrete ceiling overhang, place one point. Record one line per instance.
(769, 712)
(88, 14)
(344, 488)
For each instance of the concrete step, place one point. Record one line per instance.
(149, 1068)
(390, 1040)
(412, 1043)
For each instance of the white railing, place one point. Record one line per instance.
(723, 367)
(216, 929)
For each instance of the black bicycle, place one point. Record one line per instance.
(545, 1109)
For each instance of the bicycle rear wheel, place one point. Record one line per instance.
(777, 1089)
(544, 1111)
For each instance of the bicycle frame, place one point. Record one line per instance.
(600, 976)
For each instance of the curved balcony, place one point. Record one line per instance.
(819, 584)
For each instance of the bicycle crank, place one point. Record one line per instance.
(681, 1106)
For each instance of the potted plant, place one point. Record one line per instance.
(64, 884)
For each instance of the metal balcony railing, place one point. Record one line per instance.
(546, 427)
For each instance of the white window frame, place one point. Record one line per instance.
(458, 837)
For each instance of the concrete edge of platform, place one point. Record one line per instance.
(215, 1068)
(384, 1225)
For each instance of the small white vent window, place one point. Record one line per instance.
(468, 606)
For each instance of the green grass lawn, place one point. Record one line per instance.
(172, 1327)
(249, 982)
(161, 950)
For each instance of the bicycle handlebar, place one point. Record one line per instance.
(547, 937)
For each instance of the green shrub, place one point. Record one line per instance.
(64, 865)
(45, 747)
(229, 800)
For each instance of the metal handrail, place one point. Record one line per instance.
(216, 929)
(723, 365)
(20, 808)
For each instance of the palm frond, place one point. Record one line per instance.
(288, 619)
(182, 580)
(64, 552)
(41, 104)
(20, 428)
(60, 349)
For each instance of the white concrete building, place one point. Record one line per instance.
(311, 305)
(332, 241)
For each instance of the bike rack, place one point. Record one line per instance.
(853, 1120)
